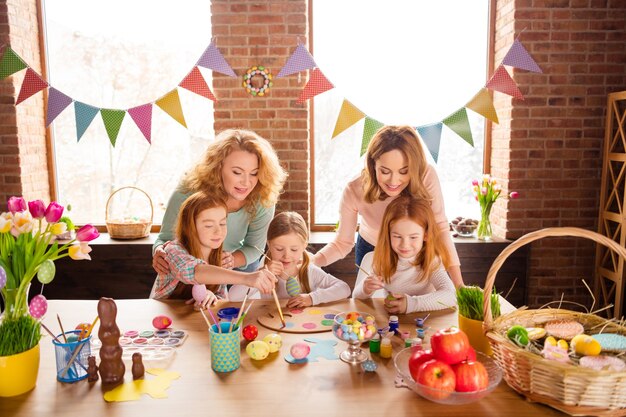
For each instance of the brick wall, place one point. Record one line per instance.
(251, 33)
(549, 146)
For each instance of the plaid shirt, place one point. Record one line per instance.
(182, 269)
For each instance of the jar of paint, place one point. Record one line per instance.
(228, 313)
(385, 348)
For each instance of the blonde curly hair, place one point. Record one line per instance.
(207, 174)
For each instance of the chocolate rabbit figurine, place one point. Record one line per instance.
(138, 368)
(92, 369)
(111, 364)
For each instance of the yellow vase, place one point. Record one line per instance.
(18, 373)
(474, 331)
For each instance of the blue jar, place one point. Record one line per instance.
(228, 313)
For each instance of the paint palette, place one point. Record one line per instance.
(305, 320)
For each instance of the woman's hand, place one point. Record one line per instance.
(300, 301)
(371, 284)
(396, 304)
(228, 260)
(159, 263)
(263, 279)
(208, 301)
(277, 269)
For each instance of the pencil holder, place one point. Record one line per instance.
(225, 349)
(72, 357)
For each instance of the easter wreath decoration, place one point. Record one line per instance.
(258, 80)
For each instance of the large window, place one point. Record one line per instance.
(400, 62)
(119, 54)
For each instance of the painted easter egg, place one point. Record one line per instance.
(250, 332)
(38, 306)
(46, 271)
(161, 322)
(198, 292)
(258, 350)
(300, 350)
(3, 278)
(274, 341)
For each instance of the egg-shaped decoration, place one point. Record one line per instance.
(258, 350)
(198, 292)
(38, 306)
(300, 350)
(46, 271)
(161, 322)
(274, 341)
(3, 278)
(250, 332)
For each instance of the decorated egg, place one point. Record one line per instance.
(250, 332)
(258, 350)
(46, 271)
(161, 322)
(300, 350)
(274, 341)
(3, 278)
(38, 306)
(198, 292)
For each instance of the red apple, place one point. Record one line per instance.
(471, 376)
(450, 345)
(471, 354)
(437, 375)
(417, 359)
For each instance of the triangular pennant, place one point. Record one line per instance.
(32, 84)
(369, 128)
(348, 115)
(431, 135)
(501, 81)
(300, 60)
(196, 83)
(112, 122)
(10, 63)
(318, 83)
(84, 114)
(519, 57)
(57, 102)
(460, 124)
(142, 115)
(213, 59)
(482, 103)
(170, 104)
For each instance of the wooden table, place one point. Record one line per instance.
(267, 388)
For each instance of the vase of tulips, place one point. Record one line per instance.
(486, 192)
(28, 248)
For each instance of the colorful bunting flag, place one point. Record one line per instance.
(431, 136)
(170, 104)
(32, 84)
(142, 115)
(501, 81)
(112, 122)
(519, 57)
(482, 103)
(196, 83)
(348, 115)
(84, 114)
(57, 102)
(10, 63)
(459, 123)
(369, 128)
(318, 83)
(213, 59)
(300, 60)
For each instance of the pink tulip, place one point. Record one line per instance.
(87, 233)
(54, 212)
(16, 204)
(36, 208)
(475, 183)
(514, 194)
(483, 190)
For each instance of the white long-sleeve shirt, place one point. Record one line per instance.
(435, 293)
(325, 288)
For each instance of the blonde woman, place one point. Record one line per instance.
(395, 165)
(243, 169)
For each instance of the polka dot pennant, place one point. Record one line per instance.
(519, 57)
(170, 104)
(196, 83)
(38, 306)
(31, 85)
(300, 60)
(348, 115)
(112, 122)
(482, 103)
(10, 63)
(501, 81)
(431, 136)
(318, 84)
(460, 125)
(57, 102)
(213, 59)
(84, 114)
(370, 127)
(142, 115)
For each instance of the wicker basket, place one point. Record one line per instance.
(569, 388)
(128, 230)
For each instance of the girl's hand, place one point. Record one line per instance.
(300, 301)
(262, 279)
(397, 306)
(277, 269)
(228, 260)
(159, 263)
(208, 301)
(371, 284)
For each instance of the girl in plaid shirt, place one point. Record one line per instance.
(196, 253)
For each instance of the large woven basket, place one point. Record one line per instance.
(119, 229)
(567, 387)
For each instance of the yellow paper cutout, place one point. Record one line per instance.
(315, 312)
(348, 115)
(482, 103)
(170, 104)
(131, 391)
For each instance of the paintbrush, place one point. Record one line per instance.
(205, 318)
(370, 274)
(50, 333)
(244, 314)
(61, 326)
(217, 323)
(230, 328)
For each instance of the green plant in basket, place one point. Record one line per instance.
(28, 247)
(470, 302)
